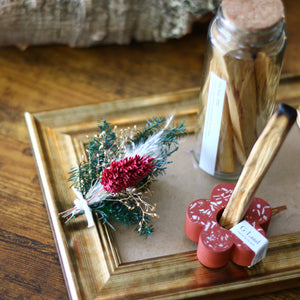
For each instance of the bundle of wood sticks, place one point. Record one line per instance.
(249, 100)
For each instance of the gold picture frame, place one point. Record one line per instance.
(89, 257)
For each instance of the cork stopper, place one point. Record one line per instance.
(253, 15)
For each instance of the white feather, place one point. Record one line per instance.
(152, 146)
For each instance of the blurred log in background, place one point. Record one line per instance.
(83, 23)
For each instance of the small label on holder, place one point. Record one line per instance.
(212, 124)
(253, 239)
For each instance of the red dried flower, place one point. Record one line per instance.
(126, 172)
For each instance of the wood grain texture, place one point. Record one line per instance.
(47, 78)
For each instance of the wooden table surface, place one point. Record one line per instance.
(52, 77)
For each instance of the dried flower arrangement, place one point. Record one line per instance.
(114, 181)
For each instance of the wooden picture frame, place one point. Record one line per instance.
(89, 257)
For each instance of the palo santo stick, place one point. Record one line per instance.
(260, 158)
(267, 72)
(203, 105)
(242, 100)
(225, 157)
(262, 69)
(239, 151)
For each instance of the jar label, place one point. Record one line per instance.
(212, 123)
(253, 239)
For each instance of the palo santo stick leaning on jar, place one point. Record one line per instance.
(257, 164)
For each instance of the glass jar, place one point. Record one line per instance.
(238, 89)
